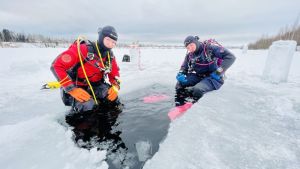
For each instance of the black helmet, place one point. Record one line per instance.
(191, 39)
(107, 31)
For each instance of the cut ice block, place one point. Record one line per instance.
(143, 149)
(279, 60)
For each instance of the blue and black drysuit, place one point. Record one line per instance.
(199, 69)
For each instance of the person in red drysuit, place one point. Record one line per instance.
(98, 63)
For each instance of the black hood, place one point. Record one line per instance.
(192, 39)
(107, 31)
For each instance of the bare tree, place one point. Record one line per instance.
(1, 37)
(295, 26)
(20, 38)
(7, 35)
(285, 33)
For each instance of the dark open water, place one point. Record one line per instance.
(121, 130)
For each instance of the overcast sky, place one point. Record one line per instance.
(229, 21)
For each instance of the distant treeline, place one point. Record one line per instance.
(286, 33)
(42, 41)
(10, 36)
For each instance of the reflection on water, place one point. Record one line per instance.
(95, 125)
(130, 133)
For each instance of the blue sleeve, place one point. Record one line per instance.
(224, 54)
(184, 65)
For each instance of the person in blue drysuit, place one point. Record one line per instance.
(202, 70)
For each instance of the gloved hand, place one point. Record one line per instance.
(53, 85)
(218, 74)
(181, 78)
(80, 94)
(112, 93)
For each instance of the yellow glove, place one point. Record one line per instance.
(112, 93)
(53, 85)
(80, 95)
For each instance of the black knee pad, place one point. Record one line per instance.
(198, 93)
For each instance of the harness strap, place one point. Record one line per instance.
(202, 75)
(92, 50)
(81, 62)
(210, 42)
(82, 80)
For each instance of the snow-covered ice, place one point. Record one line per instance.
(248, 123)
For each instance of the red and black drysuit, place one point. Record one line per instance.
(69, 72)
